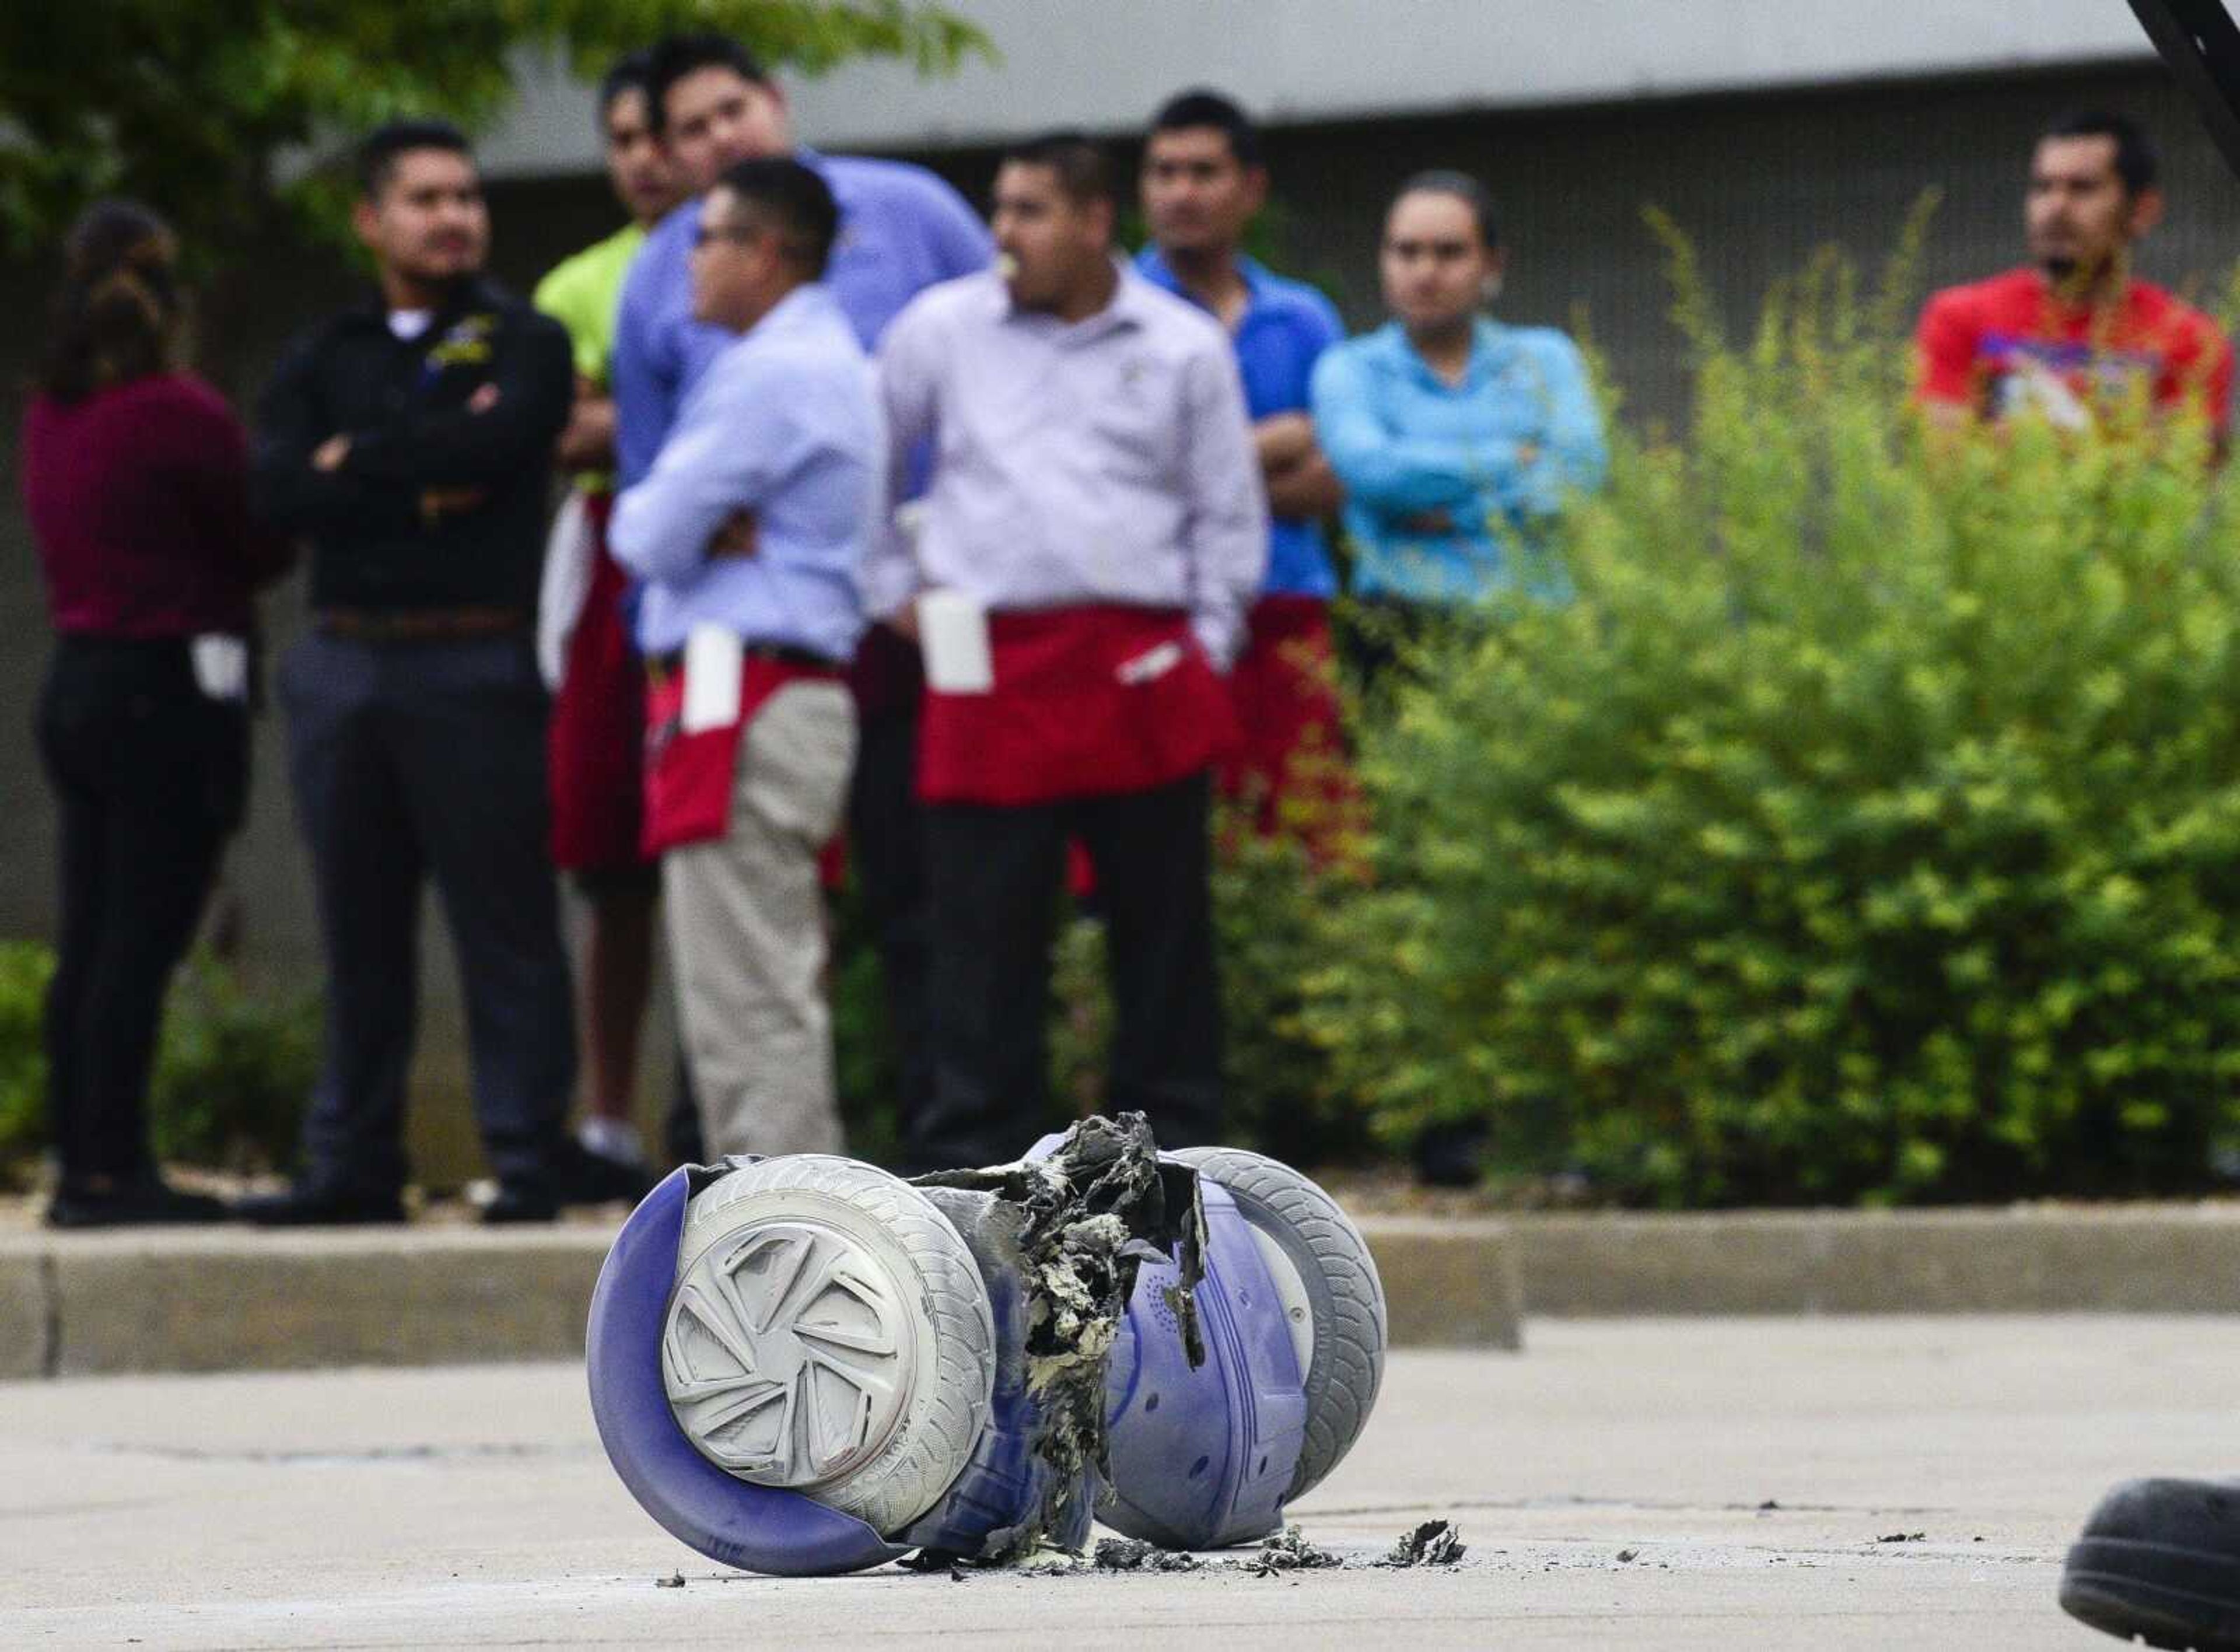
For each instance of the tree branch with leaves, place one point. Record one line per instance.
(219, 113)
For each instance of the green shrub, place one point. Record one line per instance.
(1869, 828)
(233, 1070)
(25, 971)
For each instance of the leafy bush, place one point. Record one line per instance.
(25, 971)
(232, 1074)
(1869, 828)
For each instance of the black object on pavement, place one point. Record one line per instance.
(2159, 1561)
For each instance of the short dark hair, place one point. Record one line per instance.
(1463, 187)
(1200, 108)
(1083, 169)
(795, 202)
(676, 56)
(2138, 161)
(631, 72)
(379, 151)
(115, 315)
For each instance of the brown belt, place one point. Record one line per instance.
(419, 624)
(661, 667)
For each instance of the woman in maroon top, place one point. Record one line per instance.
(136, 481)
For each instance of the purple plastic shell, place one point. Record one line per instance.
(757, 1528)
(1202, 1459)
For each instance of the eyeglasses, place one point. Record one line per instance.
(737, 234)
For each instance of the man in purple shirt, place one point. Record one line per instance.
(902, 229)
(1093, 533)
(1203, 181)
(712, 105)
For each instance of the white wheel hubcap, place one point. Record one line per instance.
(786, 1355)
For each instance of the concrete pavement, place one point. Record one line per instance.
(1749, 1466)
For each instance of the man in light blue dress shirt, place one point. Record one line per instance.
(748, 532)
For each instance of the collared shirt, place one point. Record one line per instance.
(902, 229)
(1448, 487)
(1108, 459)
(582, 293)
(784, 424)
(1285, 328)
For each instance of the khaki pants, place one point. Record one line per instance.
(746, 924)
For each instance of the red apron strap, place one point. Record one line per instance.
(688, 776)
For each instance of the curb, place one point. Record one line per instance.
(2156, 1259)
(185, 1300)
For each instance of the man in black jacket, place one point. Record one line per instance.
(410, 443)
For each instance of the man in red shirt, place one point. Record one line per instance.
(2073, 334)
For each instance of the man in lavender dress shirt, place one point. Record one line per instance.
(902, 229)
(1092, 532)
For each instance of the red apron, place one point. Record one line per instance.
(1088, 702)
(688, 776)
(595, 740)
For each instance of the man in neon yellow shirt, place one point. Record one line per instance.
(599, 724)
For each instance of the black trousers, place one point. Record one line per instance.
(412, 759)
(994, 875)
(887, 842)
(150, 777)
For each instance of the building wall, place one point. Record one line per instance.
(1759, 180)
(1104, 66)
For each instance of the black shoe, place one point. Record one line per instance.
(2159, 1560)
(131, 1204)
(520, 1202)
(318, 1204)
(586, 1177)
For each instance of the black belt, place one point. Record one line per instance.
(419, 624)
(659, 666)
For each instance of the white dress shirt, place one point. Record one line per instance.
(1104, 461)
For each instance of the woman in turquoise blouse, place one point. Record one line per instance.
(1457, 438)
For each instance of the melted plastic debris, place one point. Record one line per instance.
(1288, 1551)
(1132, 1554)
(1090, 1214)
(1436, 1543)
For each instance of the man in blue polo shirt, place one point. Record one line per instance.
(902, 229)
(1203, 181)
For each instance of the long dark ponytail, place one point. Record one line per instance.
(117, 313)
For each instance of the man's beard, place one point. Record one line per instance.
(2061, 270)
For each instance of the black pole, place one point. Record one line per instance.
(2198, 41)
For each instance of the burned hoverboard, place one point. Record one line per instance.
(805, 1365)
